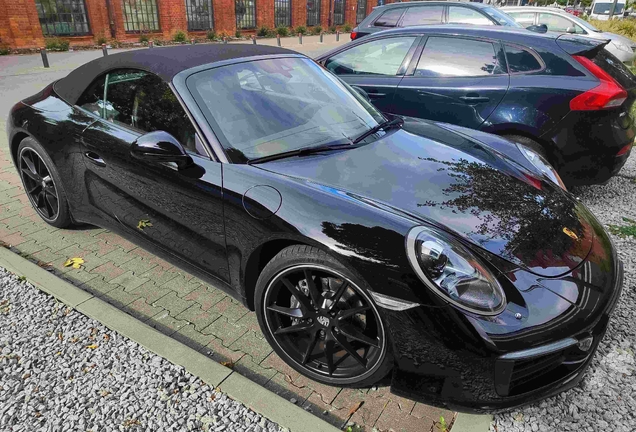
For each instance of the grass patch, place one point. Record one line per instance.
(624, 230)
(624, 27)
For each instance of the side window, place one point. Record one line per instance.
(557, 23)
(422, 15)
(379, 57)
(526, 19)
(389, 18)
(456, 57)
(520, 60)
(145, 102)
(92, 99)
(463, 15)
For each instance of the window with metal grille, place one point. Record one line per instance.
(282, 13)
(63, 17)
(140, 16)
(361, 11)
(339, 12)
(245, 14)
(313, 12)
(200, 14)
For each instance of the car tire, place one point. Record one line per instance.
(43, 184)
(531, 144)
(306, 336)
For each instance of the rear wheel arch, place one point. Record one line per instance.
(15, 143)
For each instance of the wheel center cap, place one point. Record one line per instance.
(323, 320)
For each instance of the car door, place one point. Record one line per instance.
(177, 210)
(376, 66)
(456, 80)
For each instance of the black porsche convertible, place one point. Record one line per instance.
(452, 261)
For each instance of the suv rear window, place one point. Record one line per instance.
(389, 18)
(422, 15)
(521, 60)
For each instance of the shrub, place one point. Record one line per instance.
(211, 35)
(56, 44)
(282, 31)
(238, 34)
(4, 50)
(143, 38)
(300, 29)
(347, 28)
(101, 39)
(262, 31)
(179, 36)
(157, 42)
(316, 30)
(332, 29)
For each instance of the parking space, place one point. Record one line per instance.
(167, 298)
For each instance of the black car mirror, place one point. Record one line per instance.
(160, 146)
(541, 28)
(362, 93)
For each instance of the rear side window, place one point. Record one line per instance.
(378, 57)
(456, 57)
(389, 18)
(462, 15)
(422, 15)
(524, 18)
(92, 99)
(558, 24)
(521, 60)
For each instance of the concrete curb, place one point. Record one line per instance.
(471, 423)
(239, 388)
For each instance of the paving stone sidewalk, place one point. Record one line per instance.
(188, 309)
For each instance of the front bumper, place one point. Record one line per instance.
(463, 378)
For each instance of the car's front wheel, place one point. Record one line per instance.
(42, 183)
(319, 318)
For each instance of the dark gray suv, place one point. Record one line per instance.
(430, 12)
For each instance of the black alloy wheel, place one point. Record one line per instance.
(324, 325)
(42, 183)
(39, 184)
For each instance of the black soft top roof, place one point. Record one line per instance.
(163, 61)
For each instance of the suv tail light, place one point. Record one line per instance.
(354, 35)
(608, 94)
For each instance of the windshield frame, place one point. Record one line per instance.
(494, 14)
(211, 129)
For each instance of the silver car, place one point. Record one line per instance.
(558, 20)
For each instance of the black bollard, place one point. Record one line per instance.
(300, 38)
(254, 39)
(321, 35)
(45, 59)
(278, 39)
(104, 50)
(337, 36)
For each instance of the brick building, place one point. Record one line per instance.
(25, 23)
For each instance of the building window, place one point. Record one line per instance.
(200, 15)
(361, 11)
(313, 12)
(245, 14)
(339, 12)
(282, 13)
(140, 16)
(63, 17)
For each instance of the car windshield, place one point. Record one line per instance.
(584, 24)
(502, 19)
(266, 107)
(604, 8)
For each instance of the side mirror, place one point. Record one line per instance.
(570, 30)
(160, 146)
(362, 93)
(541, 28)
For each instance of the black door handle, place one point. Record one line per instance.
(474, 99)
(95, 158)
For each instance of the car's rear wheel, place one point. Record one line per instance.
(42, 184)
(319, 318)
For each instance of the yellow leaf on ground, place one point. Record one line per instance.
(93, 346)
(75, 262)
(144, 223)
(228, 364)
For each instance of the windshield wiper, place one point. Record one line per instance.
(385, 125)
(302, 152)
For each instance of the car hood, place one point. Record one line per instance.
(461, 185)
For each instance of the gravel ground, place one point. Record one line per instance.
(605, 400)
(62, 371)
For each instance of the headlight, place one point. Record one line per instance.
(622, 46)
(542, 165)
(453, 272)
